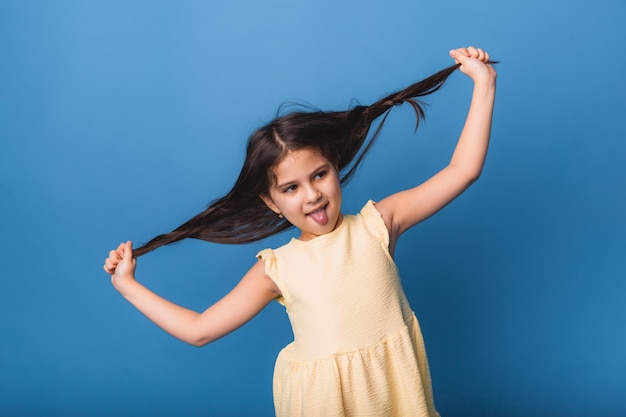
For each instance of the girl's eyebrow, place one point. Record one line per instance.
(322, 167)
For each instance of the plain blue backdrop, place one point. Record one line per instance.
(121, 119)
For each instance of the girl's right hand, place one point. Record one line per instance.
(121, 265)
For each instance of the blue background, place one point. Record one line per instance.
(121, 119)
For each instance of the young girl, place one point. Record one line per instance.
(357, 349)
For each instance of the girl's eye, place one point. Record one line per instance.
(290, 189)
(320, 175)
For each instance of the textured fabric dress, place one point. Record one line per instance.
(357, 349)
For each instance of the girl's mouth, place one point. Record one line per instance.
(319, 216)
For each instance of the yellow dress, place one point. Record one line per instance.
(357, 349)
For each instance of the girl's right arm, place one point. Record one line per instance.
(250, 296)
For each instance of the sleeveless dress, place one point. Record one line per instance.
(357, 349)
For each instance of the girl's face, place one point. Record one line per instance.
(307, 192)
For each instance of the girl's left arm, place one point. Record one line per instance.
(407, 208)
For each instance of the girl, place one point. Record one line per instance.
(357, 349)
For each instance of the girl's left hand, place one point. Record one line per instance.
(474, 63)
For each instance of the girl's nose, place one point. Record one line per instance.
(312, 194)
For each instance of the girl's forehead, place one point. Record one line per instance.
(304, 155)
(298, 162)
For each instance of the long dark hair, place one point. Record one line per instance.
(241, 216)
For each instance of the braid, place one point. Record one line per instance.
(365, 116)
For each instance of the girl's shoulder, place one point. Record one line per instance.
(373, 220)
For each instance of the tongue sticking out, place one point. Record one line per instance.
(319, 216)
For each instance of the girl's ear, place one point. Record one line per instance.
(269, 203)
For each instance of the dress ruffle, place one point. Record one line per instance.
(395, 367)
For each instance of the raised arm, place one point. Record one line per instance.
(251, 295)
(407, 208)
